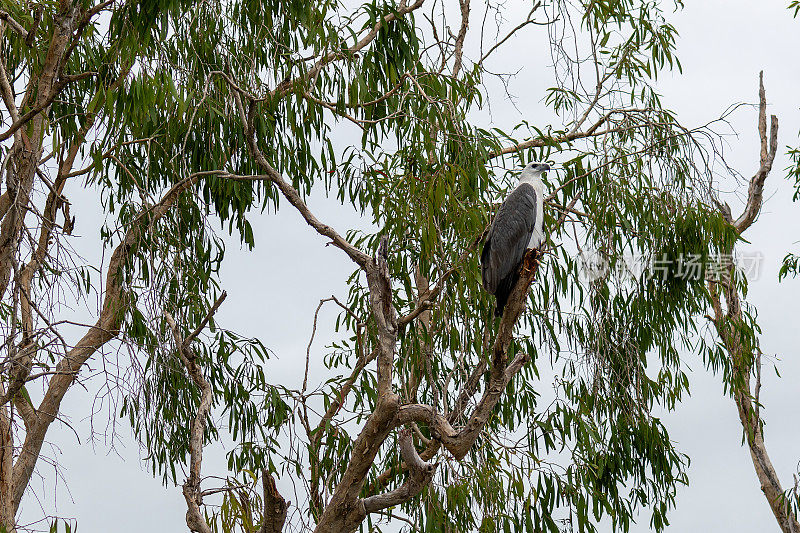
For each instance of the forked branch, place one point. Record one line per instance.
(769, 148)
(420, 474)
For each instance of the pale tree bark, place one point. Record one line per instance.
(728, 320)
(420, 474)
(27, 149)
(29, 132)
(105, 329)
(191, 487)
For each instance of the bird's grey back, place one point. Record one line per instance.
(509, 235)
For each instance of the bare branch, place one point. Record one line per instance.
(420, 474)
(311, 341)
(205, 320)
(14, 25)
(191, 487)
(511, 33)
(769, 148)
(462, 34)
(728, 321)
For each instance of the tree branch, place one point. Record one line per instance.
(593, 131)
(191, 487)
(731, 329)
(105, 329)
(459, 442)
(291, 194)
(14, 25)
(420, 474)
(769, 148)
(511, 33)
(42, 105)
(205, 320)
(275, 507)
(344, 511)
(288, 85)
(462, 34)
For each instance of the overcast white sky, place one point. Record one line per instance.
(722, 46)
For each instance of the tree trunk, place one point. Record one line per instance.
(770, 484)
(7, 511)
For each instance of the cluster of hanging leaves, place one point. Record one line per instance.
(573, 441)
(791, 263)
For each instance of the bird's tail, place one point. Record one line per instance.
(503, 291)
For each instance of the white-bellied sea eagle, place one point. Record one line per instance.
(516, 227)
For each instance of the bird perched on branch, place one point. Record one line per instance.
(516, 228)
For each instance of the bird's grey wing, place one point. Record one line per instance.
(509, 236)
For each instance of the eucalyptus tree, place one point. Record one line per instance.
(737, 356)
(189, 119)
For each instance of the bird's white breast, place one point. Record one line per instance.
(537, 237)
(534, 180)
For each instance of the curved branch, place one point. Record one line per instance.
(729, 324)
(105, 329)
(419, 476)
(14, 25)
(291, 194)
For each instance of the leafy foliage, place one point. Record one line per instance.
(428, 176)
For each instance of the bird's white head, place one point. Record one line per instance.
(533, 174)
